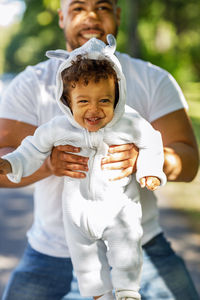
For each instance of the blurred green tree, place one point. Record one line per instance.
(38, 32)
(166, 33)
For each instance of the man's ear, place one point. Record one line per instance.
(61, 18)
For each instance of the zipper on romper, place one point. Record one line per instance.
(93, 139)
(90, 144)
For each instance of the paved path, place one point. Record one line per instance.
(16, 217)
(182, 237)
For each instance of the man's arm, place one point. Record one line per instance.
(13, 132)
(180, 146)
(180, 149)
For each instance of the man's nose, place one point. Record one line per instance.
(92, 13)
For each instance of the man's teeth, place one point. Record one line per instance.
(91, 35)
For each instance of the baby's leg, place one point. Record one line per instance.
(89, 261)
(88, 254)
(124, 251)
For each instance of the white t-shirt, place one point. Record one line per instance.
(30, 98)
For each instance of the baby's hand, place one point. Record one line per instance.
(150, 182)
(5, 166)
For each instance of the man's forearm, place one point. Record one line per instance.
(181, 162)
(181, 150)
(40, 174)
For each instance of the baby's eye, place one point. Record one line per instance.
(82, 101)
(105, 101)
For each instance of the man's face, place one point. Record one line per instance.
(93, 110)
(84, 19)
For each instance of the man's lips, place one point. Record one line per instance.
(88, 36)
(89, 33)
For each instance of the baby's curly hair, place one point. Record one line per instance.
(85, 70)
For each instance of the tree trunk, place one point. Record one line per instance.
(133, 44)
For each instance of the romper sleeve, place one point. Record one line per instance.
(151, 155)
(132, 128)
(31, 154)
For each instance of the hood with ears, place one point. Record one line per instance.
(93, 49)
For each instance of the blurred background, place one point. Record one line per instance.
(166, 33)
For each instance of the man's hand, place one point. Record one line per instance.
(123, 157)
(63, 163)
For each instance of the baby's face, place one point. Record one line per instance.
(93, 105)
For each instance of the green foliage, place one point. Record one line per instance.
(192, 93)
(169, 35)
(5, 35)
(166, 33)
(38, 32)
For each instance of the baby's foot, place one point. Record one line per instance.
(127, 295)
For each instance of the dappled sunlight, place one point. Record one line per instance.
(16, 208)
(165, 38)
(27, 50)
(44, 18)
(11, 11)
(15, 219)
(178, 229)
(7, 262)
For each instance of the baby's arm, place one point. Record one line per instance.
(150, 182)
(5, 166)
(30, 155)
(151, 155)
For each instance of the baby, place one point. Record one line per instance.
(102, 217)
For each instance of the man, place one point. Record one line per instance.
(45, 272)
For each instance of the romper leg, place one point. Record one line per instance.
(89, 261)
(125, 253)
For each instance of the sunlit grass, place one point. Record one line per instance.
(186, 198)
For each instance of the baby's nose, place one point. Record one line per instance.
(94, 107)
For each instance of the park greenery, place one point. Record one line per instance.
(166, 33)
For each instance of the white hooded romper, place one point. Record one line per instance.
(101, 217)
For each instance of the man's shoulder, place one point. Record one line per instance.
(44, 69)
(36, 76)
(138, 65)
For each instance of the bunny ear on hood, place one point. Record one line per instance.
(112, 45)
(97, 50)
(59, 54)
